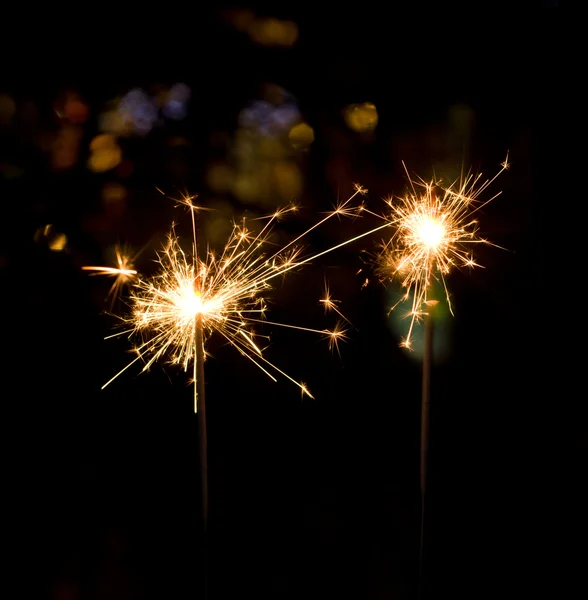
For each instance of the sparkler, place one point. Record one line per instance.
(435, 232)
(221, 294)
(192, 296)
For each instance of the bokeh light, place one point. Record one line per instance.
(7, 108)
(262, 30)
(112, 121)
(268, 118)
(269, 31)
(301, 136)
(71, 108)
(66, 146)
(175, 105)
(361, 117)
(263, 162)
(138, 109)
(55, 240)
(105, 155)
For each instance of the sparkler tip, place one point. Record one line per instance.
(505, 164)
(305, 391)
(434, 231)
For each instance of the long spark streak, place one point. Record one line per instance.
(434, 232)
(123, 273)
(225, 291)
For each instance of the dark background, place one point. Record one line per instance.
(309, 498)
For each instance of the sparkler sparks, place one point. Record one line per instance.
(123, 273)
(220, 293)
(330, 304)
(435, 231)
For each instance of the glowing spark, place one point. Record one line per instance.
(330, 304)
(123, 273)
(339, 333)
(342, 209)
(505, 164)
(434, 232)
(305, 390)
(224, 292)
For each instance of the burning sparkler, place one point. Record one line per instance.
(192, 297)
(435, 231)
(195, 295)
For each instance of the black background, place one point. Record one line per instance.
(309, 498)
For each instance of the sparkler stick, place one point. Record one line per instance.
(202, 436)
(434, 232)
(199, 383)
(425, 408)
(426, 395)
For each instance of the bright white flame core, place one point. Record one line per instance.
(189, 302)
(430, 232)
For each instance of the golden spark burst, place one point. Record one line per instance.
(224, 293)
(435, 230)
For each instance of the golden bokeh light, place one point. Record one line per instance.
(103, 141)
(55, 240)
(269, 31)
(105, 155)
(112, 122)
(301, 136)
(58, 242)
(270, 148)
(361, 117)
